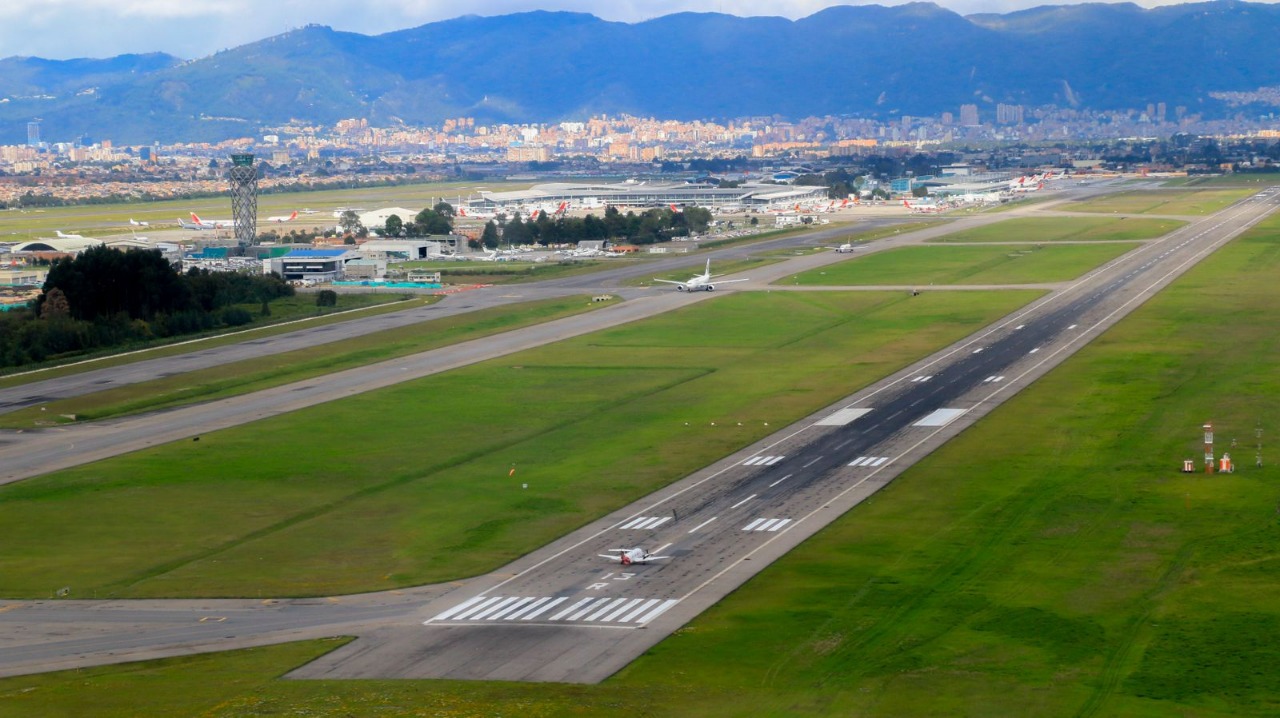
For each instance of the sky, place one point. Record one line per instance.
(63, 29)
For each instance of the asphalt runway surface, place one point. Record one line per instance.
(562, 613)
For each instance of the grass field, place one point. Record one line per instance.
(924, 265)
(477, 272)
(109, 219)
(1175, 202)
(1073, 229)
(362, 494)
(242, 377)
(1050, 561)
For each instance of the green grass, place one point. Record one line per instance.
(111, 219)
(1050, 561)
(351, 307)
(363, 494)
(1176, 202)
(275, 369)
(1073, 229)
(478, 272)
(964, 264)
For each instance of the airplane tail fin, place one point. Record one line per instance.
(708, 270)
(294, 215)
(196, 218)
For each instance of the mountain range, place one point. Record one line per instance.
(868, 60)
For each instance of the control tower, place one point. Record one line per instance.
(244, 198)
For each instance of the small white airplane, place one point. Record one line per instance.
(628, 556)
(68, 236)
(282, 218)
(699, 282)
(847, 247)
(475, 213)
(136, 223)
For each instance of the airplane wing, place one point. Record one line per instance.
(667, 281)
(731, 281)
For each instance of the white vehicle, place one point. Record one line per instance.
(282, 218)
(628, 556)
(68, 236)
(699, 282)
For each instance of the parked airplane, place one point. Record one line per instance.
(210, 223)
(136, 223)
(282, 218)
(68, 236)
(921, 206)
(699, 282)
(475, 213)
(628, 556)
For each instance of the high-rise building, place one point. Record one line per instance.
(1009, 114)
(969, 115)
(33, 133)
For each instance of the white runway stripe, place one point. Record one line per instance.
(494, 608)
(645, 522)
(529, 607)
(774, 460)
(869, 461)
(570, 609)
(480, 607)
(763, 460)
(544, 609)
(661, 609)
(766, 524)
(592, 609)
(465, 604)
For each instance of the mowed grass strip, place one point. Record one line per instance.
(351, 307)
(1073, 229)
(1051, 561)
(275, 369)
(413, 484)
(1167, 201)
(964, 264)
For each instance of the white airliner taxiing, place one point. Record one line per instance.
(699, 282)
(283, 218)
(628, 556)
(846, 248)
(197, 223)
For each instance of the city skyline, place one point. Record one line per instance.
(65, 29)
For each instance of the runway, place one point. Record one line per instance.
(562, 613)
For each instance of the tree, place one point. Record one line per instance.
(430, 221)
(444, 209)
(394, 226)
(489, 238)
(350, 222)
(326, 298)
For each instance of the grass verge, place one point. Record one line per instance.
(964, 264)
(1073, 229)
(1179, 202)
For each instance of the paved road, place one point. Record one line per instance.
(563, 614)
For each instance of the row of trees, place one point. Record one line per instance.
(107, 298)
(648, 227)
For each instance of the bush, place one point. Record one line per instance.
(236, 316)
(326, 298)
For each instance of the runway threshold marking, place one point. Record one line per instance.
(763, 460)
(842, 417)
(872, 461)
(766, 524)
(592, 609)
(941, 417)
(645, 522)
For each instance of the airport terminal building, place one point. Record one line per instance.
(639, 195)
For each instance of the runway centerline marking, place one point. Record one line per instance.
(811, 463)
(743, 501)
(778, 482)
(704, 523)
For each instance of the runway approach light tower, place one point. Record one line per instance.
(244, 198)
(1208, 448)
